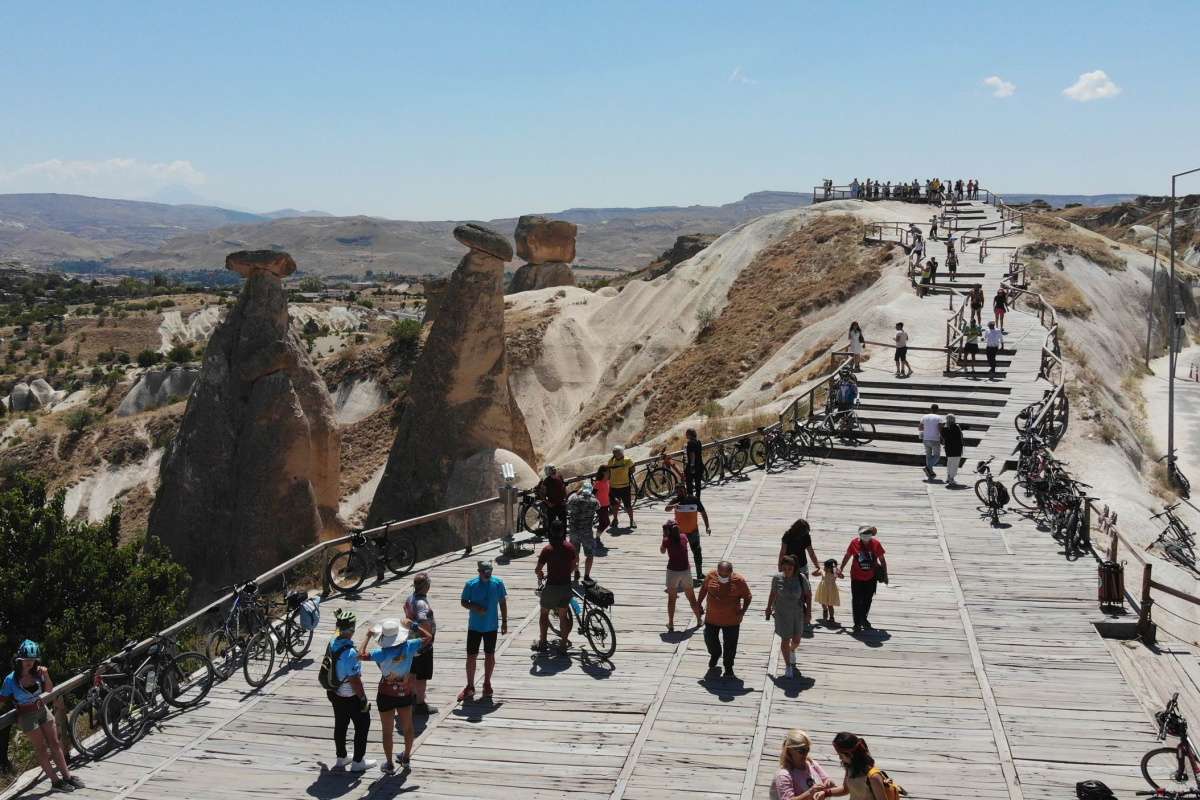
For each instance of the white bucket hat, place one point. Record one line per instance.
(390, 632)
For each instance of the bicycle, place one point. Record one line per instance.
(347, 569)
(846, 426)
(659, 479)
(1055, 420)
(182, 680)
(531, 514)
(1172, 769)
(227, 644)
(990, 491)
(725, 461)
(589, 618)
(1176, 539)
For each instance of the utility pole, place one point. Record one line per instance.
(1173, 339)
(1153, 281)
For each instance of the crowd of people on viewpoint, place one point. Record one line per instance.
(933, 190)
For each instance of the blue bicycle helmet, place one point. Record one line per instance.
(29, 649)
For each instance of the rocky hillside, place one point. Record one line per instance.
(1136, 221)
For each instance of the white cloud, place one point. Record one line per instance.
(1094, 85)
(109, 177)
(739, 76)
(999, 86)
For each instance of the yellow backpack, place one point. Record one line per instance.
(891, 789)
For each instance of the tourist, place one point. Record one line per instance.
(930, 427)
(349, 698)
(856, 345)
(601, 488)
(903, 370)
(971, 346)
(582, 510)
(24, 687)
(863, 781)
(555, 565)
(854, 185)
(693, 462)
(952, 264)
(679, 571)
(688, 513)
(933, 226)
(797, 543)
(827, 593)
(867, 568)
(798, 775)
(993, 340)
(1000, 307)
(620, 475)
(933, 268)
(787, 603)
(977, 304)
(552, 491)
(485, 597)
(845, 395)
(728, 597)
(952, 441)
(422, 625)
(395, 696)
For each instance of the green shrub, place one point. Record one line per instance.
(79, 419)
(148, 358)
(405, 332)
(180, 354)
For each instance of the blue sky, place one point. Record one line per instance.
(477, 110)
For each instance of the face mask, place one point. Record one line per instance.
(866, 537)
(724, 578)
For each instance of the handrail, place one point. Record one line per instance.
(76, 681)
(792, 412)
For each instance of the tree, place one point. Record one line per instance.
(71, 586)
(405, 332)
(179, 354)
(311, 284)
(148, 358)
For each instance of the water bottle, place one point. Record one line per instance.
(575, 605)
(151, 681)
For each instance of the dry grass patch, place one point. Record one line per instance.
(817, 265)
(523, 335)
(1059, 290)
(1054, 234)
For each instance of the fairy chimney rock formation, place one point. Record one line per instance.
(251, 479)
(460, 413)
(548, 248)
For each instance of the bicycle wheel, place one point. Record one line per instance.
(983, 492)
(712, 468)
(1163, 768)
(126, 715)
(758, 454)
(259, 660)
(533, 520)
(224, 653)
(187, 678)
(400, 554)
(601, 635)
(862, 431)
(296, 638)
(1025, 494)
(85, 730)
(149, 680)
(738, 460)
(659, 483)
(1024, 417)
(346, 571)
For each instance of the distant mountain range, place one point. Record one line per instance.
(65, 230)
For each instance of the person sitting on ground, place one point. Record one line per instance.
(799, 775)
(620, 475)
(552, 491)
(582, 509)
(555, 565)
(24, 687)
(679, 574)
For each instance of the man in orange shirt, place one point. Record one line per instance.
(728, 597)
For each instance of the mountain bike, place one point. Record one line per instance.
(726, 460)
(1070, 529)
(165, 678)
(347, 569)
(227, 644)
(1055, 421)
(1176, 540)
(846, 426)
(531, 514)
(83, 722)
(813, 438)
(1172, 769)
(658, 479)
(590, 618)
(990, 491)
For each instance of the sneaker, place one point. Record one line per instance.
(466, 694)
(76, 782)
(405, 760)
(633, 526)
(789, 672)
(363, 766)
(539, 647)
(857, 628)
(341, 764)
(728, 674)
(388, 766)
(61, 785)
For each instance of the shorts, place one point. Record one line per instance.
(621, 495)
(475, 637)
(390, 702)
(422, 665)
(555, 596)
(584, 541)
(972, 347)
(679, 579)
(33, 719)
(901, 353)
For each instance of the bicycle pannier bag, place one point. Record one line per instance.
(310, 613)
(327, 675)
(1093, 790)
(294, 599)
(599, 595)
(1112, 583)
(1001, 494)
(891, 789)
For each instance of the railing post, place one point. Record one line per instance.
(1146, 629)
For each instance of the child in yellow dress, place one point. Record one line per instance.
(827, 593)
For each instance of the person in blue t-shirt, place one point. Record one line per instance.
(24, 687)
(394, 655)
(349, 699)
(484, 597)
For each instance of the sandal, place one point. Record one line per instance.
(487, 691)
(466, 694)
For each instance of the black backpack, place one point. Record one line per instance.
(599, 595)
(327, 675)
(1093, 790)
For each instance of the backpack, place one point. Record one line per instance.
(310, 613)
(1093, 790)
(891, 789)
(1001, 495)
(599, 595)
(327, 675)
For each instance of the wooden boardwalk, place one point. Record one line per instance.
(986, 679)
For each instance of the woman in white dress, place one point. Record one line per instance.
(857, 343)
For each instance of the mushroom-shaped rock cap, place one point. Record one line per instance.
(478, 237)
(245, 262)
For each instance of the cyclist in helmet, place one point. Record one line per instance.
(25, 687)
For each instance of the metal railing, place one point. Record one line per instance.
(83, 678)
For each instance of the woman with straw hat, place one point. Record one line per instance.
(798, 775)
(394, 655)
